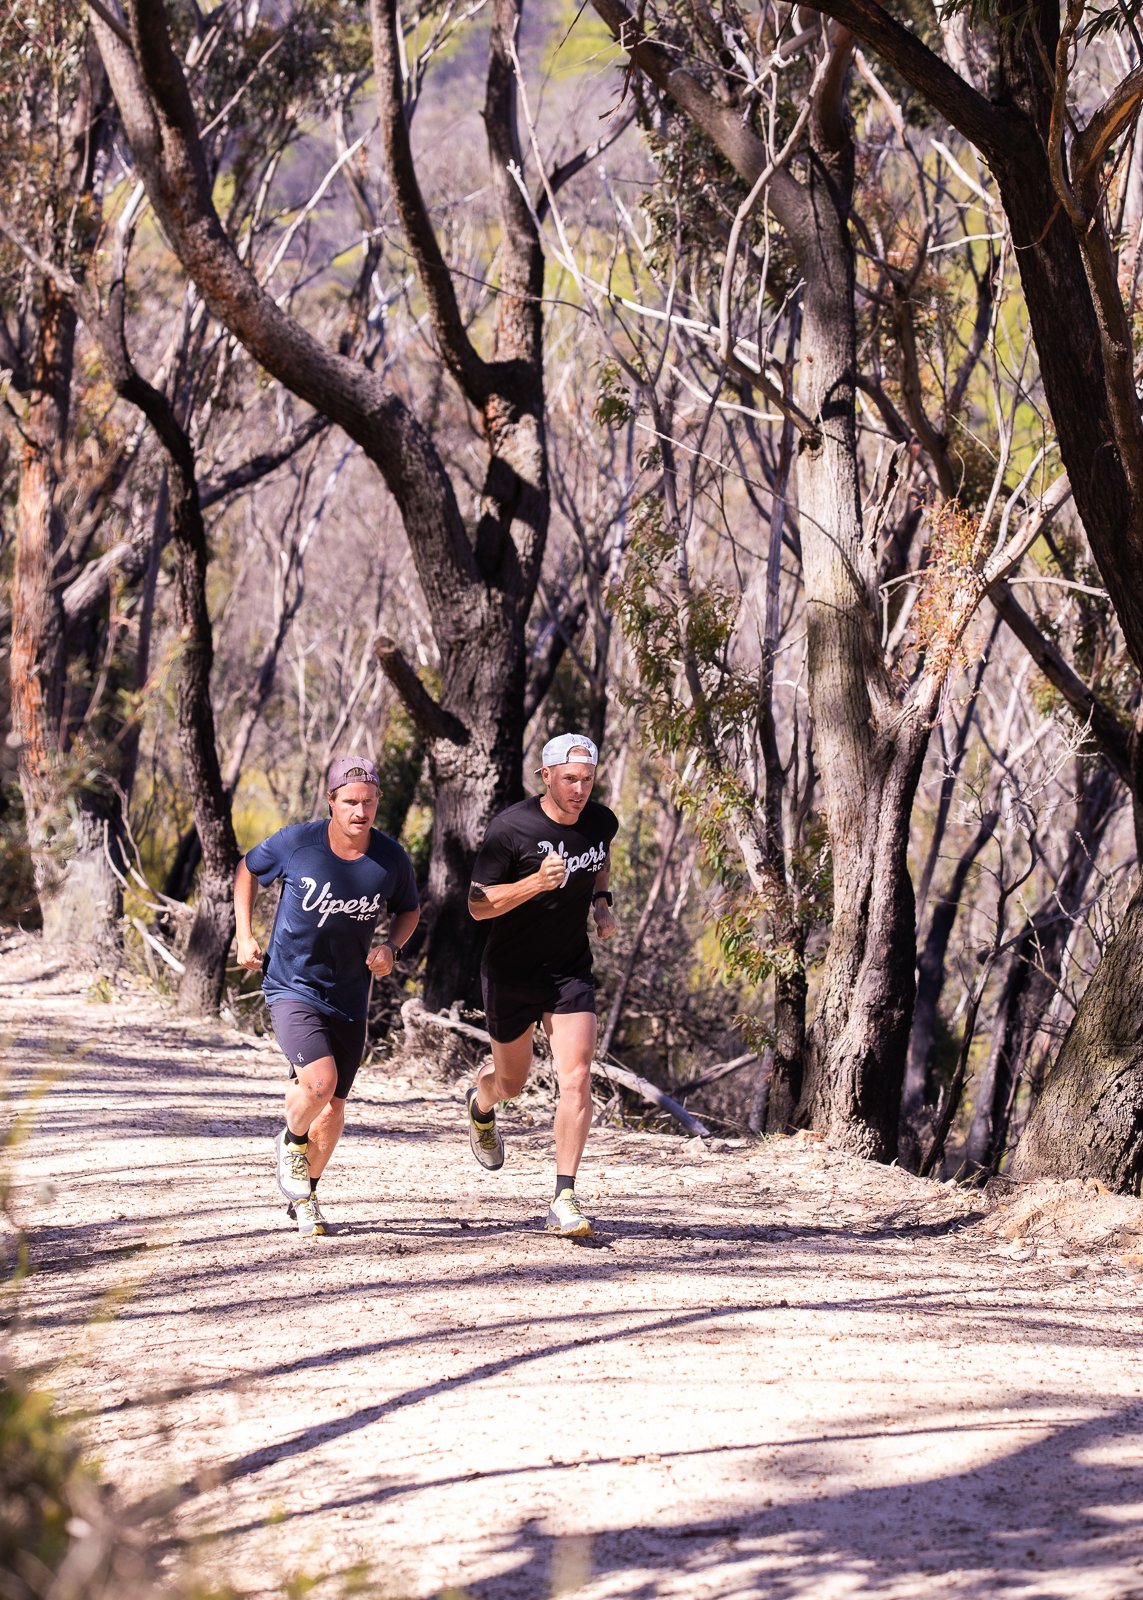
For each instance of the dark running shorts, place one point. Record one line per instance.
(305, 1035)
(513, 1008)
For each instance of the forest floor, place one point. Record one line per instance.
(775, 1371)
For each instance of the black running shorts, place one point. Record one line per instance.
(306, 1035)
(513, 1007)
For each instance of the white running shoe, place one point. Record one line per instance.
(293, 1170)
(565, 1217)
(311, 1223)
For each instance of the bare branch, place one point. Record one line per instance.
(1114, 116)
(1086, 706)
(260, 466)
(456, 348)
(429, 716)
(413, 1011)
(571, 168)
(985, 124)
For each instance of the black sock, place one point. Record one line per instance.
(563, 1182)
(483, 1117)
(313, 1186)
(296, 1138)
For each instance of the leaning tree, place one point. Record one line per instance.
(478, 572)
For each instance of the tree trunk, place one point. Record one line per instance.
(930, 984)
(37, 657)
(71, 821)
(1089, 1119)
(869, 771)
(200, 986)
(855, 1057)
(471, 782)
(1034, 971)
(212, 931)
(787, 1058)
(69, 812)
(860, 1032)
(82, 910)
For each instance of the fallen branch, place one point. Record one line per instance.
(172, 961)
(712, 1074)
(413, 1011)
(647, 1091)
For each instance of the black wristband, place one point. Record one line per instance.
(603, 894)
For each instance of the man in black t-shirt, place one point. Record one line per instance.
(543, 865)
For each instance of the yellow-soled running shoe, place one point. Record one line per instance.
(484, 1137)
(311, 1223)
(565, 1217)
(291, 1168)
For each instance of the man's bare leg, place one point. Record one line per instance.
(505, 1075)
(325, 1130)
(315, 1116)
(309, 1093)
(572, 1035)
(498, 1079)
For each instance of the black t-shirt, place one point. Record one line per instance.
(546, 935)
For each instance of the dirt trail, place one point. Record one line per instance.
(779, 1371)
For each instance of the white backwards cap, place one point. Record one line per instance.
(557, 751)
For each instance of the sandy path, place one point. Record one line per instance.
(779, 1372)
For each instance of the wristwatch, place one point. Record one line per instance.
(603, 894)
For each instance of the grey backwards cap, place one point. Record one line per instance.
(352, 769)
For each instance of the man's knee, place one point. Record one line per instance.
(319, 1080)
(508, 1077)
(575, 1079)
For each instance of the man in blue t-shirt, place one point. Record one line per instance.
(338, 878)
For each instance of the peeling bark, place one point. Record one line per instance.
(73, 825)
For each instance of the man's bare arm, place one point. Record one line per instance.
(487, 900)
(245, 894)
(401, 928)
(604, 922)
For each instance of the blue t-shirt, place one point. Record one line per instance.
(327, 914)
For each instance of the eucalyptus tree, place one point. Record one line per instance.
(792, 154)
(1051, 134)
(478, 572)
(95, 575)
(57, 139)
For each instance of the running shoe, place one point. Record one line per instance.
(484, 1137)
(293, 1169)
(311, 1223)
(565, 1217)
